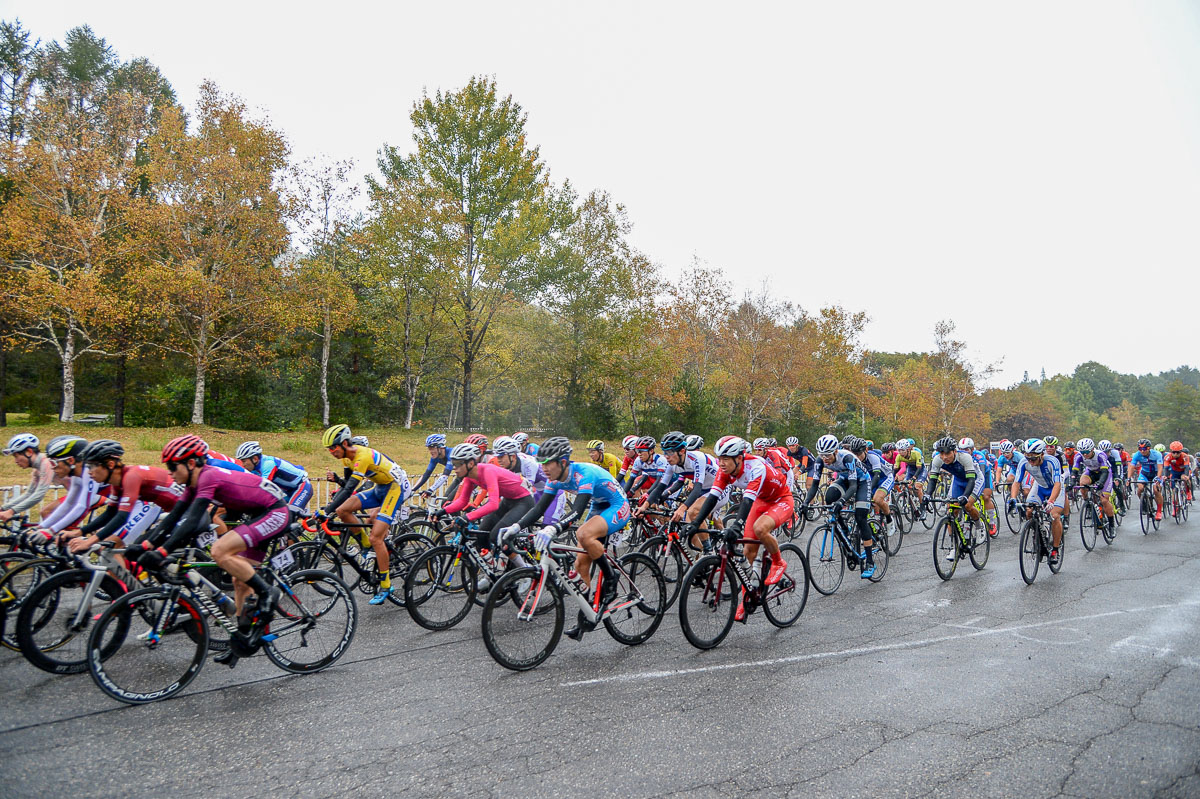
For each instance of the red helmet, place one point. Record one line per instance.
(187, 446)
(478, 439)
(1177, 446)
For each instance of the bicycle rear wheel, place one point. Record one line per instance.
(891, 539)
(440, 588)
(314, 623)
(402, 551)
(15, 585)
(641, 600)
(709, 602)
(826, 565)
(784, 602)
(981, 544)
(669, 562)
(138, 670)
(946, 551)
(521, 635)
(1030, 551)
(1087, 526)
(878, 554)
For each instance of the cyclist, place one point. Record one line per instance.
(388, 495)
(1146, 466)
(527, 447)
(1047, 483)
(1177, 465)
(606, 460)
(609, 513)
(850, 481)
(1091, 467)
(1053, 451)
(1069, 452)
(910, 466)
(137, 495)
(698, 467)
(694, 442)
(629, 444)
(804, 462)
(984, 474)
(766, 504)
(882, 480)
(438, 456)
(24, 449)
(646, 469)
(292, 479)
(83, 492)
(1009, 461)
(260, 503)
(777, 457)
(965, 483)
(509, 455)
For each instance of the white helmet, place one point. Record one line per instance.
(465, 452)
(792, 441)
(731, 447)
(363, 441)
(966, 443)
(21, 442)
(248, 450)
(506, 445)
(904, 443)
(1006, 447)
(1085, 445)
(761, 443)
(827, 444)
(628, 442)
(1035, 446)
(521, 438)
(1105, 445)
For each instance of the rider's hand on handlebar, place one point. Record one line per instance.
(543, 537)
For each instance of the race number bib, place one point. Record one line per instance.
(206, 539)
(283, 559)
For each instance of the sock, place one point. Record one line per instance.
(385, 581)
(258, 585)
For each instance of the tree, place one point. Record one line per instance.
(1129, 421)
(217, 228)
(1177, 412)
(956, 382)
(471, 147)
(1102, 381)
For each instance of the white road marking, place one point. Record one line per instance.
(867, 650)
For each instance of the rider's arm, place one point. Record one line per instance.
(43, 476)
(344, 493)
(102, 520)
(661, 487)
(576, 511)
(190, 523)
(540, 508)
(70, 509)
(433, 462)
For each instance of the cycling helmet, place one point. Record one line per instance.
(694, 442)
(101, 450)
(338, 434)
(1177, 446)
(1104, 446)
(360, 441)
(1160, 448)
(761, 443)
(945, 444)
(521, 438)
(848, 439)
(1051, 441)
(792, 441)
(889, 447)
(595, 443)
(21, 442)
(674, 441)
(628, 442)
(827, 444)
(190, 446)
(435, 440)
(1006, 447)
(556, 448)
(1035, 446)
(771, 442)
(966, 443)
(1070, 445)
(248, 450)
(1143, 442)
(731, 447)
(465, 452)
(870, 444)
(66, 447)
(478, 439)
(506, 445)
(905, 443)
(1119, 447)
(645, 443)
(1086, 445)
(1187, 451)
(858, 444)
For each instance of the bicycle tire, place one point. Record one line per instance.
(1030, 552)
(402, 551)
(782, 605)
(1087, 526)
(893, 540)
(827, 564)
(16, 583)
(646, 581)
(1056, 566)
(316, 555)
(499, 618)
(980, 538)
(128, 655)
(440, 578)
(669, 562)
(878, 554)
(903, 513)
(946, 549)
(705, 586)
(62, 651)
(296, 617)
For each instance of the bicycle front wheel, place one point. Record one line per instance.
(892, 539)
(439, 588)
(784, 602)
(709, 602)
(521, 635)
(640, 603)
(945, 548)
(981, 545)
(46, 628)
(669, 562)
(135, 661)
(1087, 526)
(15, 585)
(1031, 551)
(314, 623)
(826, 565)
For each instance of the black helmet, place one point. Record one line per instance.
(555, 448)
(858, 444)
(674, 441)
(1070, 445)
(65, 447)
(945, 444)
(888, 447)
(102, 449)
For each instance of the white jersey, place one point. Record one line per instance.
(82, 493)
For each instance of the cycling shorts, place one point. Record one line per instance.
(1108, 483)
(888, 483)
(258, 531)
(987, 479)
(140, 518)
(386, 497)
(298, 501)
(1147, 476)
(616, 516)
(958, 487)
(781, 512)
(1044, 494)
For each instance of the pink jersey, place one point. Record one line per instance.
(238, 492)
(499, 483)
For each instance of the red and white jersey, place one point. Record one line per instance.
(758, 479)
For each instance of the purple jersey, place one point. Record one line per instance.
(239, 492)
(1097, 461)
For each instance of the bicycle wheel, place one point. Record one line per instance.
(928, 517)
(137, 670)
(946, 551)
(402, 551)
(826, 565)
(1030, 551)
(1087, 526)
(440, 588)
(1056, 566)
(1146, 510)
(46, 629)
(981, 545)
(314, 623)
(903, 513)
(316, 555)
(15, 585)
(521, 635)
(669, 562)
(878, 554)
(709, 602)
(784, 602)
(640, 603)
(1013, 518)
(892, 539)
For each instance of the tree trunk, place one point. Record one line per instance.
(3, 376)
(198, 400)
(468, 368)
(68, 379)
(325, 342)
(119, 403)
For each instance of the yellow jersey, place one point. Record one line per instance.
(611, 463)
(371, 464)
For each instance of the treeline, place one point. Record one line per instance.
(164, 266)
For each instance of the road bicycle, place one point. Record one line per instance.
(1093, 523)
(1036, 542)
(1177, 503)
(1148, 506)
(333, 545)
(716, 583)
(957, 534)
(673, 556)
(834, 547)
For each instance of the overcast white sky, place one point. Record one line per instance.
(916, 160)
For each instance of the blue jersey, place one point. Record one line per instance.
(1011, 463)
(1045, 475)
(433, 464)
(588, 478)
(1147, 463)
(287, 476)
(844, 467)
(224, 464)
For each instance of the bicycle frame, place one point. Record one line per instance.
(552, 568)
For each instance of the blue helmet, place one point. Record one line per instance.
(435, 440)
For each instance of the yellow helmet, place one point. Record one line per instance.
(338, 434)
(596, 443)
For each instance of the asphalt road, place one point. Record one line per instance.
(1084, 684)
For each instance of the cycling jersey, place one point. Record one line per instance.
(148, 484)
(1008, 464)
(803, 458)
(912, 465)
(83, 494)
(759, 481)
(611, 463)
(1045, 475)
(39, 483)
(588, 478)
(371, 464)
(845, 467)
(499, 483)
(1096, 466)
(288, 476)
(214, 458)
(444, 462)
(652, 469)
(237, 492)
(1177, 462)
(1147, 465)
(963, 471)
(880, 470)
